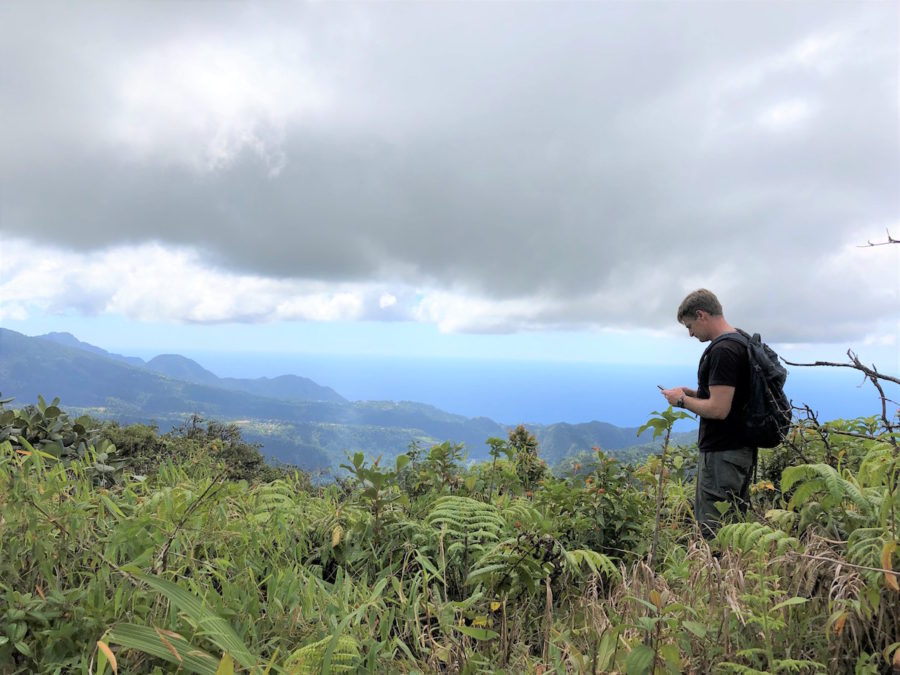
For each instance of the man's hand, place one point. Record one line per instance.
(716, 407)
(674, 395)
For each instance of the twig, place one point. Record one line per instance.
(50, 519)
(891, 431)
(548, 622)
(874, 376)
(890, 240)
(855, 366)
(810, 415)
(160, 564)
(659, 498)
(844, 563)
(509, 571)
(854, 434)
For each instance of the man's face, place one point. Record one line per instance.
(698, 325)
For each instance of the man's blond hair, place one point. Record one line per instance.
(698, 300)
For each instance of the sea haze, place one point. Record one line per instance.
(541, 392)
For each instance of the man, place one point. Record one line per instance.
(725, 465)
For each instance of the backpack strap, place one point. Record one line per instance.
(744, 338)
(739, 336)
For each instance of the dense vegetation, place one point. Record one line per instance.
(126, 550)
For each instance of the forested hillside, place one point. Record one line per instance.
(123, 550)
(293, 419)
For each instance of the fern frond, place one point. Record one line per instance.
(412, 531)
(874, 468)
(782, 518)
(864, 546)
(812, 479)
(268, 499)
(466, 518)
(596, 562)
(798, 666)
(309, 658)
(804, 492)
(738, 668)
(506, 563)
(524, 512)
(750, 537)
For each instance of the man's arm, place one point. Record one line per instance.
(716, 407)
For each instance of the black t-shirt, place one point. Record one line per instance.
(723, 363)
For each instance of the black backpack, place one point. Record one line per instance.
(767, 414)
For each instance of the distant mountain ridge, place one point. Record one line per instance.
(295, 419)
(69, 340)
(288, 387)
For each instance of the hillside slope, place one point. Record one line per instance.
(295, 419)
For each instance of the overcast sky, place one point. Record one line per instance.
(407, 171)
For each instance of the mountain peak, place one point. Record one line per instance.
(182, 368)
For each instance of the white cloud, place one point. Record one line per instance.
(785, 115)
(458, 312)
(205, 102)
(580, 168)
(150, 282)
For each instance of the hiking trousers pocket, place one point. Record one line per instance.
(722, 476)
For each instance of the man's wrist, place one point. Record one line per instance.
(680, 402)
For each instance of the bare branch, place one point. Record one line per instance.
(844, 563)
(852, 434)
(870, 372)
(812, 417)
(890, 240)
(873, 376)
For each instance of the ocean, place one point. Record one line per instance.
(513, 392)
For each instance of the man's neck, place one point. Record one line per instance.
(720, 326)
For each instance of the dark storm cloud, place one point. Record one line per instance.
(599, 158)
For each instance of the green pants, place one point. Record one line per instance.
(722, 476)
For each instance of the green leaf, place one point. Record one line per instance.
(657, 424)
(427, 565)
(102, 662)
(402, 461)
(147, 640)
(607, 649)
(639, 660)
(226, 665)
(649, 605)
(111, 507)
(217, 629)
(648, 623)
(722, 507)
(671, 656)
(789, 602)
(477, 633)
(697, 629)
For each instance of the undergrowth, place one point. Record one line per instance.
(129, 551)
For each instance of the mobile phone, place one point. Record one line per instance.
(661, 388)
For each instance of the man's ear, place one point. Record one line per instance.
(700, 314)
